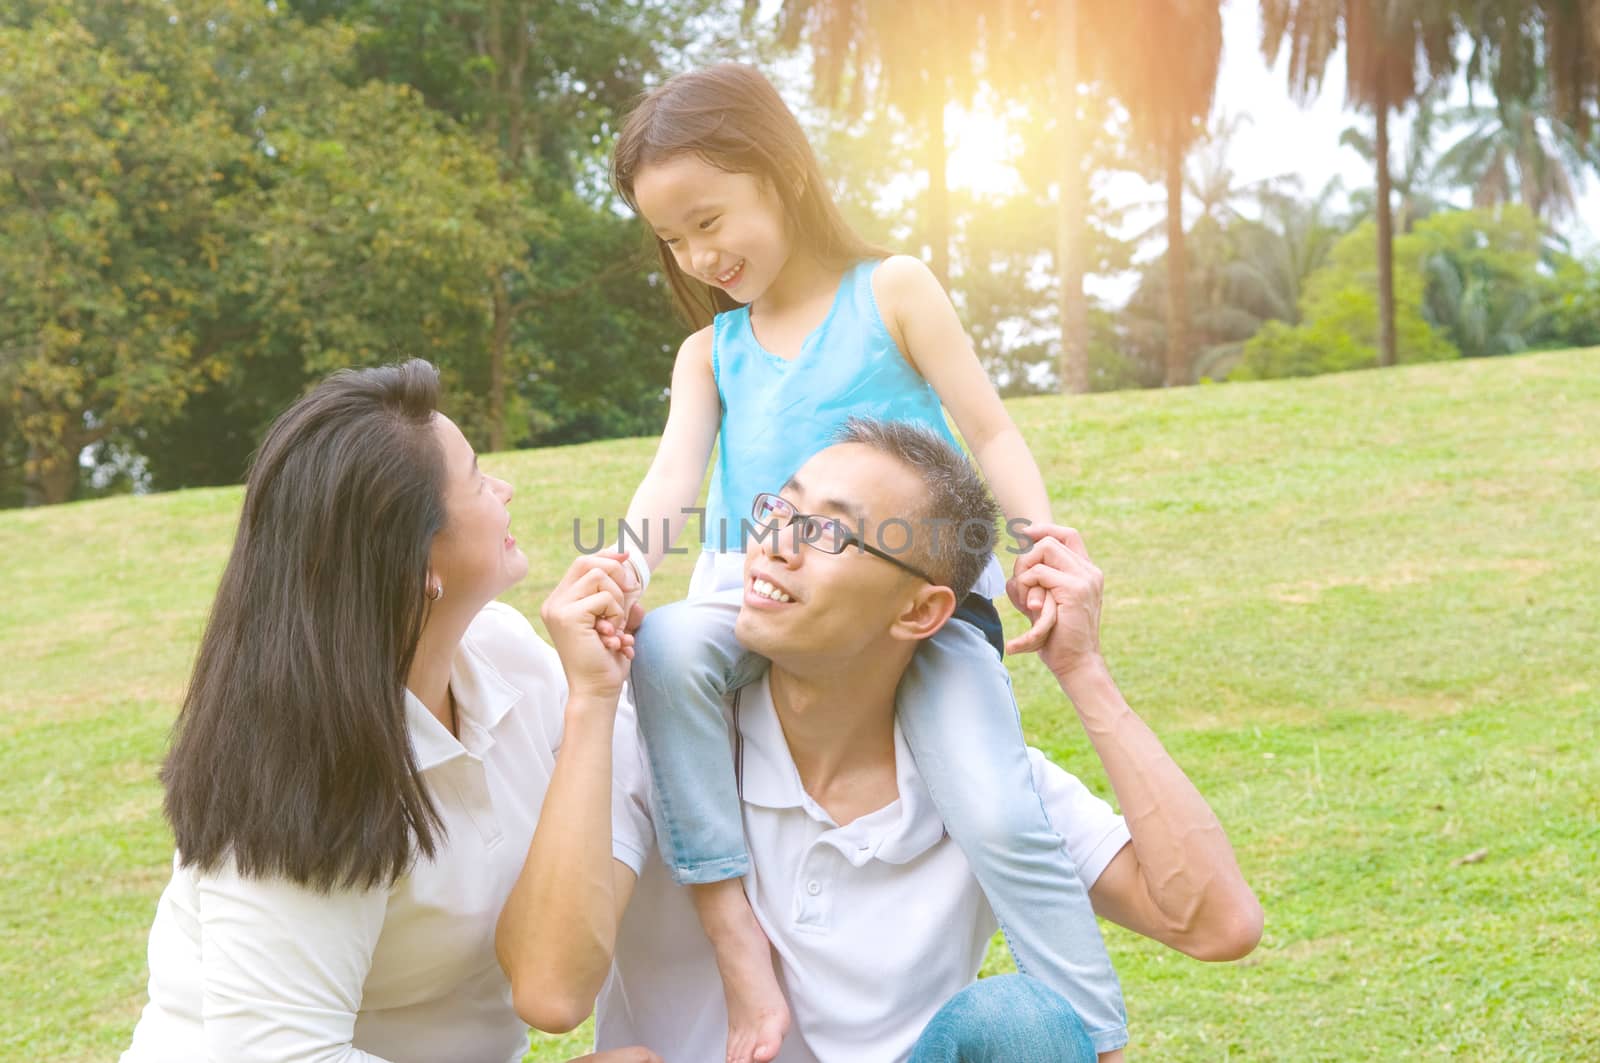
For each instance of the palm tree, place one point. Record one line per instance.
(1387, 44)
(920, 55)
(1246, 271)
(915, 57)
(1164, 70)
(1537, 46)
(1520, 149)
(1419, 173)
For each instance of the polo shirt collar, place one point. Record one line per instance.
(896, 834)
(483, 697)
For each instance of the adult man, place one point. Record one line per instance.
(873, 913)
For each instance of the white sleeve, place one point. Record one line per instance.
(283, 968)
(1093, 831)
(632, 829)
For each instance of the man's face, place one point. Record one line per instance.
(800, 601)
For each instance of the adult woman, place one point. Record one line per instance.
(359, 765)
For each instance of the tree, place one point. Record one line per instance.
(1484, 288)
(112, 215)
(915, 57)
(1534, 46)
(1520, 149)
(1387, 44)
(1420, 173)
(542, 87)
(1339, 320)
(1247, 271)
(1168, 55)
(201, 214)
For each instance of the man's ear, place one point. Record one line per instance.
(925, 613)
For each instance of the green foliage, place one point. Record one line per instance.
(113, 212)
(378, 238)
(1570, 314)
(1483, 280)
(194, 198)
(585, 331)
(206, 205)
(1340, 315)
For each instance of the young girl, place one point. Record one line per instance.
(804, 325)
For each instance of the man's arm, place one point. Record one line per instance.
(559, 926)
(1178, 882)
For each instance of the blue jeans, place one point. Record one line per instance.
(1008, 1019)
(961, 723)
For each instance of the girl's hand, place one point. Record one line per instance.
(1031, 600)
(1060, 566)
(587, 620)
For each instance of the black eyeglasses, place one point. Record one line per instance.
(774, 513)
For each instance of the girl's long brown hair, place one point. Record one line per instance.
(731, 116)
(291, 753)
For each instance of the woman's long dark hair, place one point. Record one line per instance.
(731, 116)
(291, 753)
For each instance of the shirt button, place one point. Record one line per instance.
(813, 887)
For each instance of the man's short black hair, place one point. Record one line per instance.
(953, 536)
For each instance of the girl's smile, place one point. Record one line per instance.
(726, 230)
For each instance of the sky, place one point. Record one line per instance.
(1279, 137)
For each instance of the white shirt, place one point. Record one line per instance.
(876, 924)
(249, 969)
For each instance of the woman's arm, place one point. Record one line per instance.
(558, 928)
(672, 484)
(283, 968)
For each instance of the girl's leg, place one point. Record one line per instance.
(1009, 1019)
(686, 661)
(960, 719)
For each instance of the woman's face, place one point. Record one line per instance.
(474, 558)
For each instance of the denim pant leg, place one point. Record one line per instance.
(1008, 1019)
(961, 722)
(686, 660)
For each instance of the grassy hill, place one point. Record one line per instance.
(1360, 610)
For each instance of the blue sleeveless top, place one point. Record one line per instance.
(778, 412)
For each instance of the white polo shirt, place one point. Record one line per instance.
(249, 969)
(876, 924)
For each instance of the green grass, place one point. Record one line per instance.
(1360, 610)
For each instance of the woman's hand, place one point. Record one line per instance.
(587, 618)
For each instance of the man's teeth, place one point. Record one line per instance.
(767, 590)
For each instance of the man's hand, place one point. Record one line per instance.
(585, 616)
(1059, 565)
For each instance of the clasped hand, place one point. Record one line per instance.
(1056, 586)
(591, 616)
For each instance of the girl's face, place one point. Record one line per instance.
(725, 229)
(474, 558)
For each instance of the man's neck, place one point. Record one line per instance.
(839, 725)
